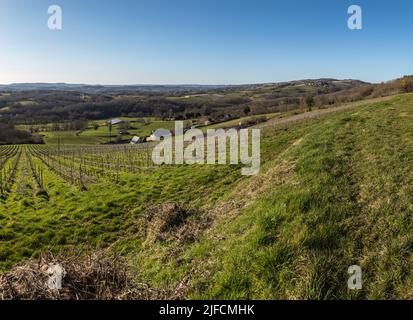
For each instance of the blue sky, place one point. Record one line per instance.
(203, 41)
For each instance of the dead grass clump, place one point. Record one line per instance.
(171, 221)
(100, 275)
(169, 216)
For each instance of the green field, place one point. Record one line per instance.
(332, 192)
(73, 138)
(103, 135)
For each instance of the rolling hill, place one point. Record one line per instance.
(335, 189)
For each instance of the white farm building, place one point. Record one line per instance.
(114, 121)
(135, 140)
(159, 135)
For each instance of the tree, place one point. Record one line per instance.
(247, 110)
(110, 131)
(406, 84)
(309, 102)
(118, 138)
(207, 110)
(125, 125)
(79, 125)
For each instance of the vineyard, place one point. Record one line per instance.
(53, 197)
(77, 166)
(323, 183)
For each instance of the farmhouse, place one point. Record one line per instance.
(159, 135)
(114, 121)
(135, 140)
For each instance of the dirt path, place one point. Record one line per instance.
(248, 191)
(319, 113)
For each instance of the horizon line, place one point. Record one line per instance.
(185, 84)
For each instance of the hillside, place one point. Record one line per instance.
(45, 103)
(339, 193)
(85, 88)
(335, 189)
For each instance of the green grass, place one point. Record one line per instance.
(103, 213)
(348, 200)
(72, 137)
(103, 135)
(340, 195)
(332, 192)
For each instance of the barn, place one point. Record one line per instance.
(135, 140)
(114, 121)
(159, 135)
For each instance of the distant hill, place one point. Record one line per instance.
(24, 103)
(106, 88)
(86, 88)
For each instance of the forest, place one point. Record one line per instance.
(21, 106)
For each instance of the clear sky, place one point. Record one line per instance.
(203, 41)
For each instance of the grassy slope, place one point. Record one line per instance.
(332, 193)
